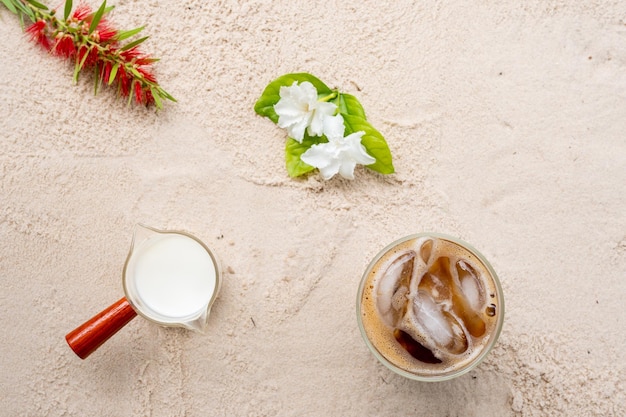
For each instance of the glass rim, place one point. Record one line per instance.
(449, 374)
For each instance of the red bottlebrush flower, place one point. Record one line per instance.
(138, 93)
(147, 75)
(36, 27)
(92, 58)
(149, 97)
(130, 54)
(70, 38)
(106, 72)
(64, 47)
(144, 60)
(105, 33)
(37, 33)
(81, 12)
(124, 81)
(92, 55)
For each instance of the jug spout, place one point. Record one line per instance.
(141, 234)
(199, 324)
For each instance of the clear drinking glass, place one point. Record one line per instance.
(431, 375)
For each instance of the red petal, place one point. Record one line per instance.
(149, 97)
(122, 79)
(92, 56)
(144, 60)
(138, 93)
(107, 72)
(64, 47)
(130, 54)
(81, 12)
(36, 27)
(107, 34)
(37, 33)
(147, 75)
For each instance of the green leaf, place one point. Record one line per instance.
(9, 6)
(131, 92)
(293, 152)
(132, 44)
(97, 17)
(167, 95)
(136, 73)
(265, 105)
(79, 65)
(68, 9)
(113, 72)
(38, 5)
(25, 10)
(373, 142)
(348, 104)
(157, 98)
(128, 33)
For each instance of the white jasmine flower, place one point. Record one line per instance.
(299, 109)
(340, 154)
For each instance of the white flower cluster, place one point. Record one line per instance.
(299, 109)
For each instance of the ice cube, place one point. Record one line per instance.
(392, 288)
(431, 319)
(468, 299)
(433, 286)
(441, 269)
(438, 328)
(471, 319)
(471, 286)
(426, 250)
(399, 299)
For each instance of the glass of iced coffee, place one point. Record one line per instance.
(430, 307)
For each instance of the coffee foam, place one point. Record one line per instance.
(381, 334)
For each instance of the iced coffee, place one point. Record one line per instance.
(430, 307)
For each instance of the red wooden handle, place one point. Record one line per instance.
(88, 337)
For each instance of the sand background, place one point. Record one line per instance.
(507, 124)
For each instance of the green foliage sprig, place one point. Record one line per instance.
(88, 39)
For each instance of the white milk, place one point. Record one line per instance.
(174, 276)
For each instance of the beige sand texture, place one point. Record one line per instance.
(507, 122)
